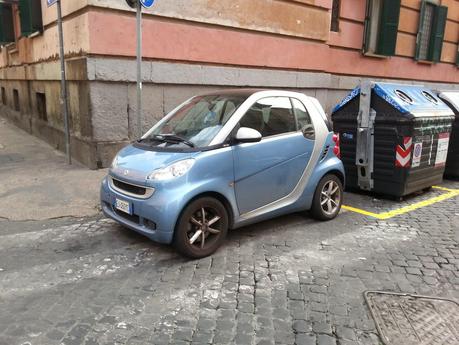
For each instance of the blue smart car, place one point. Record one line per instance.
(224, 160)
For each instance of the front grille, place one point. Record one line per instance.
(132, 218)
(130, 188)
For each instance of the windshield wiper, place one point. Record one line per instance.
(169, 138)
(179, 139)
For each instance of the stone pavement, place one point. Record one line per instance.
(290, 280)
(37, 183)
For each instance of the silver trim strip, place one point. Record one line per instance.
(148, 191)
(317, 114)
(244, 107)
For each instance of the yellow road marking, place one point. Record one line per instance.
(445, 189)
(451, 193)
(358, 210)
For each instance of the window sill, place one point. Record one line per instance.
(10, 45)
(11, 48)
(374, 55)
(34, 34)
(425, 62)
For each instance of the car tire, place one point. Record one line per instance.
(328, 198)
(197, 235)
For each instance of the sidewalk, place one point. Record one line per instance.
(36, 182)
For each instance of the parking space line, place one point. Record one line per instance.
(359, 210)
(450, 193)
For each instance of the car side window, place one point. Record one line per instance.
(270, 116)
(303, 119)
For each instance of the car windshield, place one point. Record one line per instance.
(197, 122)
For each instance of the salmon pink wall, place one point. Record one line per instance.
(350, 35)
(274, 34)
(114, 34)
(354, 10)
(300, 18)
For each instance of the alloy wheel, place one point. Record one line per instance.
(330, 197)
(204, 228)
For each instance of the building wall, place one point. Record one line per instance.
(290, 34)
(193, 46)
(286, 35)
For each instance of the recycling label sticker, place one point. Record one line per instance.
(417, 154)
(442, 149)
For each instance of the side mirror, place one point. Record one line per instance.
(247, 135)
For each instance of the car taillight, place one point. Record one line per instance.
(336, 149)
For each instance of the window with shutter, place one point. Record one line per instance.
(438, 33)
(388, 27)
(31, 18)
(432, 22)
(6, 24)
(381, 27)
(334, 26)
(425, 30)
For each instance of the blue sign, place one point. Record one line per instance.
(51, 2)
(145, 3)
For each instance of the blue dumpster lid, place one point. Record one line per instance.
(452, 97)
(414, 99)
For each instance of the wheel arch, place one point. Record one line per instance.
(316, 207)
(336, 172)
(220, 197)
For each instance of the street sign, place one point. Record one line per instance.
(147, 3)
(144, 3)
(51, 2)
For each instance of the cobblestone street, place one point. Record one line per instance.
(290, 280)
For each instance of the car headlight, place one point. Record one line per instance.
(174, 170)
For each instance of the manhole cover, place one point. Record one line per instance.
(414, 320)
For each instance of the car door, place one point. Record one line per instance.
(269, 170)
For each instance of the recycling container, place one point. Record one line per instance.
(393, 138)
(451, 98)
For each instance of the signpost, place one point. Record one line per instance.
(138, 4)
(139, 69)
(64, 94)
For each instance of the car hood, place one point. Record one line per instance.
(135, 164)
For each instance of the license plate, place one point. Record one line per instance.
(123, 206)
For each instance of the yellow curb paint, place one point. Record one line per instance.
(445, 189)
(358, 210)
(451, 193)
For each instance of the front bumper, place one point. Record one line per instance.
(150, 217)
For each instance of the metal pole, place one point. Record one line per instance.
(64, 95)
(139, 68)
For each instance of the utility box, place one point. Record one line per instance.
(393, 138)
(451, 98)
(6, 24)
